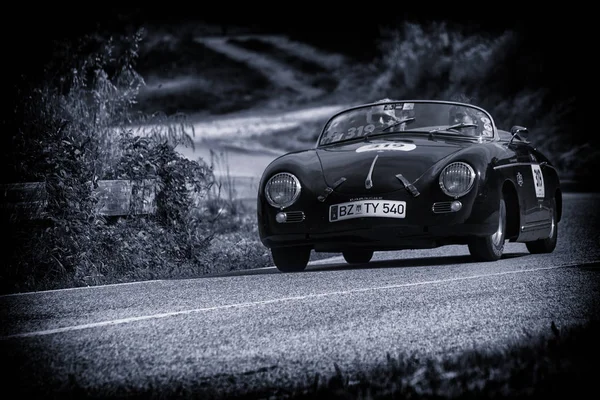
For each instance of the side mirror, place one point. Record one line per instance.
(519, 131)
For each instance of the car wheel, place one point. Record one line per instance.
(491, 247)
(291, 259)
(549, 244)
(357, 256)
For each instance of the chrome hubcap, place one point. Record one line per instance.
(499, 234)
(552, 227)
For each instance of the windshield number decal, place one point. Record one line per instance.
(353, 132)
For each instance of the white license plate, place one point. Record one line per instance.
(367, 208)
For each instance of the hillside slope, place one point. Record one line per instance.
(202, 75)
(211, 75)
(248, 97)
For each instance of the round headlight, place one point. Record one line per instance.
(282, 190)
(457, 179)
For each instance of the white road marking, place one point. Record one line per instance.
(327, 260)
(263, 302)
(82, 288)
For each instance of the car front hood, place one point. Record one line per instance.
(346, 167)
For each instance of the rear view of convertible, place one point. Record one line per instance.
(412, 174)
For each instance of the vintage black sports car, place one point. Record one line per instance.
(410, 174)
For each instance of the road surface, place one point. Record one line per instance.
(263, 327)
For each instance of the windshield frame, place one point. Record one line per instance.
(408, 130)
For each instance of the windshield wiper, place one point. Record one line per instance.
(455, 127)
(410, 119)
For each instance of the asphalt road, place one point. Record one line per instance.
(261, 327)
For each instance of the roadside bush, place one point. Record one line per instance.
(78, 127)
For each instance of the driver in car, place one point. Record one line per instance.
(382, 117)
(462, 115)
(388, 117)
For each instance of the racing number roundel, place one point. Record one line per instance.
(538, 180)
(387, 146)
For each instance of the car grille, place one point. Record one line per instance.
(294, 216)
(441, 207)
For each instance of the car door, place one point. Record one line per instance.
(538, 212)
(543, 174)
(530, 185)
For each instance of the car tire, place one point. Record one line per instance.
(549, 244)
(291, 259)
(357, 256)
(491, 247)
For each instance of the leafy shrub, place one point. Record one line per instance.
(80, 127)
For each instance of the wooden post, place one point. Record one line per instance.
(115, 198)
(23, 200)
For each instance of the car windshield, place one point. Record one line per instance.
(397, 117)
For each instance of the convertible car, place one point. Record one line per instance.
(411, 174)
